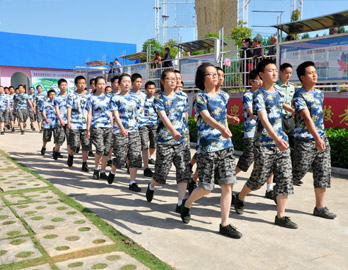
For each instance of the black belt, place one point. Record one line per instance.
(287, 116)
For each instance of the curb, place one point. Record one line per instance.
(334, 170)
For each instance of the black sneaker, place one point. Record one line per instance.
(2, 133)
(269, 195)
(22, 132)
(43, 150)
(178, 208)
(185, 213)
(109, 162)
(59, 155)
(191, 186)
(238, 205)
(32, 128)
(134, 187)
(111, 178)
(103, 176)
(152, 161)
(12, 130)
(54, 155)
(285, 222)
(298, 183)
(149, 194)
(85, 167)
(230, 231)
(96, 174)
(77, 150)
(40, 130)
(91, 154)
(324, 213)
(70, 161)
(148, 172)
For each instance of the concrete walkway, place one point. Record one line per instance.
(317, 244)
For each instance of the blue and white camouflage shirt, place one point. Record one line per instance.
(140, 98)
(249, 123)
(51, 115)
(272, 103)
(4, 99)
(100, 108)
(313, 101)
(127, 111)
(78, 105)
(186, 127)
(40, 99)
(174, 109)
(60, 101)
(21, 101)
(31, 98)
(150, 113)
(210, 139)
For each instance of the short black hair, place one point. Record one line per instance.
(91, 80)
(13, 87)
(123, 75)
(37, 87)
(219, 68)
(247, 40)
(263, 63)
(148, 83)
(135, 76)
(50, 91)
(116, 77)
(177, 71)
(108, 86)
(99, 78)
(116, 59)
(61, 81)
(80, 77)
(253, 74)
(301, 69)
(200, 74)
(182, 83)
(167, 49)
(19, 85)
(285, 66)
(29, 87)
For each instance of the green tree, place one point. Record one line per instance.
(304, 36)
(240, 32)
(295, 16)
(341, 30)
(155, 45)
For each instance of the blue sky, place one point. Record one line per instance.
(130, 21)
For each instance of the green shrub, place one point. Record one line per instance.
(338, 138)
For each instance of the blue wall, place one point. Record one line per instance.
(59, 53)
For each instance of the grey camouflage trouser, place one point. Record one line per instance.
(102, 138)
(77, 137)
(61, 133)
(22, 114)
(127, 147)
(247, 158)
(267, 160)
(307, 156)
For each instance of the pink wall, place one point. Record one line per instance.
(7, 72)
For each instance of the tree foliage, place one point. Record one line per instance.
(240, 32)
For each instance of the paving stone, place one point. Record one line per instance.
(6, 164)
(10, 225)
(16, 180)
(32, 196)
(39, 267)
(18, 249)
(114, 260)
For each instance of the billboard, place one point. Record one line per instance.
(49, 80)
(330, 55)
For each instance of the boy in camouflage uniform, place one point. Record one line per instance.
(31, 113)
(59, 103)
(312, 148)
(49, 120)
(4, 106)
(38, 101)
(271, 149)
(77, 122)
(20, 105)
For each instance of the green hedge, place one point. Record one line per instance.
(338, 138)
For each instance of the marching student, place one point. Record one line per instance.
(126, 139)
(312, 148)
(271, 148)
(38, 101)
(99, 126)
(59, 103)
(49, 120)
(215, 159)
(171, 108)
(20, 105)
(4, 107)
(77, 122)
(31, 113)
